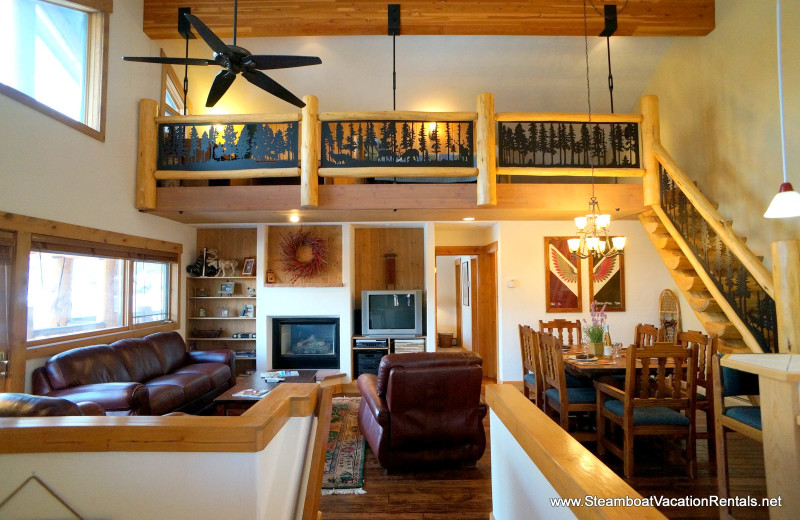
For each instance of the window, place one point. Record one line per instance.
(58, 50)
(171, 92)
(78, 288)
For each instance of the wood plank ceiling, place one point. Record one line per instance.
(259, 18)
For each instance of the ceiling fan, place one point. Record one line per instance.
(234, 60)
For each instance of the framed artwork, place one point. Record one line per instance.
(465, 284)
(226, 288)
(607, 282)
(248, 267)
(562, 276)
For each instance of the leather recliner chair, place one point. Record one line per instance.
(27, 405)
(424, 409)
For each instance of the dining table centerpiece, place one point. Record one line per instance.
(593, 330)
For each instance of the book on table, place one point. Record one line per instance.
(251, 393)
(277, 376)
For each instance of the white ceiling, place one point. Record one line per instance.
(438, 73)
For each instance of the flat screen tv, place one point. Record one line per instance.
(391, 313)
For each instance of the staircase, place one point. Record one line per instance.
(692, 281)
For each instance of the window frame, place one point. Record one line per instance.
(28, 231)
(99, 12)
(172, 84)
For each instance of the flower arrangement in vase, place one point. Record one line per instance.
(593, 331)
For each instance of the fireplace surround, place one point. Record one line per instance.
(304, 342)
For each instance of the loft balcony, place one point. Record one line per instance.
(390, 166)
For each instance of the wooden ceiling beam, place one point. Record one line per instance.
(261, 18)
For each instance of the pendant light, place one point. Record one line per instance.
(593, 238)
(786, 203)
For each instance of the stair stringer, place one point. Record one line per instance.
(705, 299)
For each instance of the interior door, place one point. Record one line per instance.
(459, 324)
(6, 264)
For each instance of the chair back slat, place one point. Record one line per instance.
(553, 362)
(526, 345)
(645, 335)
(567, 332)
(667, 373)
(705, 348)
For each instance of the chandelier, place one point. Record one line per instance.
(593, 238)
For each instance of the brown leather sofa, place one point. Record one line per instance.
(27, 405)
(154, 375)
(424, 409)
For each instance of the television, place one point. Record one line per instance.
(391, 313)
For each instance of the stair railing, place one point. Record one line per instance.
(742, 285)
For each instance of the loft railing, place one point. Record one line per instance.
(400, 146)
(739, 277)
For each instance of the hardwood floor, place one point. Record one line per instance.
(466, 494)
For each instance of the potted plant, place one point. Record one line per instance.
(593, 331)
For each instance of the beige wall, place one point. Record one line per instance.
(718, 100)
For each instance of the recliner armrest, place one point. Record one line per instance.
(368, 386)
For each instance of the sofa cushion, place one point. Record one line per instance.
(219, 373)
(140, 358)
(170, 348)
(86, 366)
(194, 384)
(165, 398)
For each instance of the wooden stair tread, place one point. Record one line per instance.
(723, 329)
(705, 304)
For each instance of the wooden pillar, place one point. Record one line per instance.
(18, 320)
(309, 154)
(148, 151)
(651, 133)
(485, 154)
(786, 277)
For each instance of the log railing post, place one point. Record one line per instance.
(485, 154)
(651, 133)
(309, 153)
(147, 155)
(786, 276)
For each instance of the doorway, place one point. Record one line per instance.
(475, 289)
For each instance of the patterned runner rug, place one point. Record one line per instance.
(344, 460)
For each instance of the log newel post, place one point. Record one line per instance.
(147, 155)
(786, 277)
(485, 154)
(309, 153)
(651, 133)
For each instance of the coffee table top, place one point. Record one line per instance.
(255, 381)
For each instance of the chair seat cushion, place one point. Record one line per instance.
(577, 395)
(530, 379)
(750, 415)
(649, 416)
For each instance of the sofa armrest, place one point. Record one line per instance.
(224, 355)
(113, 397)
(368, 386)
(90, 408)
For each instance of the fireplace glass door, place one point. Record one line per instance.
(305, 343)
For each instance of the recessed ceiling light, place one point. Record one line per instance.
(294, 218)
(468, 218)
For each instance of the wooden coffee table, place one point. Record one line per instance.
(227, 404)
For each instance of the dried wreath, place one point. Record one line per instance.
(295, 249)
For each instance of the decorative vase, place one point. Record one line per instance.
(597, 347)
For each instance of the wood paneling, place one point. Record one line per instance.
(371, 244)
(331, 276)
(368, 17)
(230, 243)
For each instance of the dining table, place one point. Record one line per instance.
(595, 367)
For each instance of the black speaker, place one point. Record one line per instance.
(394, 19)
(184, 27)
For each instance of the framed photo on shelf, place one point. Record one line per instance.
(607, 282)
(223, 312)
(226, 288)
(248, 311)
(562, 276)
(249, 266)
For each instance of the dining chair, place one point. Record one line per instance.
(729, 382)
(653, 402)
(568, 332)
(532, 380)
(705, 348)
(644, 335)
(558, 396)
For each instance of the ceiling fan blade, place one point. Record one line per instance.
(171, 61)
(266, 62)
(221, 83)
(264, 82)
(208, 35)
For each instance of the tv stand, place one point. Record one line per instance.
(369, 350)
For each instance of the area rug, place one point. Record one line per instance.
(344, 460)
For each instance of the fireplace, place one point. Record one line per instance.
(305, 343)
